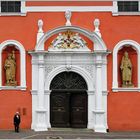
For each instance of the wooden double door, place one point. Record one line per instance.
(68, 109)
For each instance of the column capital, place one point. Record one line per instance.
(41, 64)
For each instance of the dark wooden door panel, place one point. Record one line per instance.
(59, 109)
(69, 109)
(79, 110)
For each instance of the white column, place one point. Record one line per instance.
(41, 87)
(47, 104)
(91, 105)
(98, 83)
(41, 113)
(99, 112)
(41, 83)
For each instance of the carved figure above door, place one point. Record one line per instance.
(68, 40)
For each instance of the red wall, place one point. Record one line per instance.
(123, 107)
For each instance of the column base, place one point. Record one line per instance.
(40, 123)
(100, 129)
(40, 127)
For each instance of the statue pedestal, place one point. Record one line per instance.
(128, 85)
(13, 83)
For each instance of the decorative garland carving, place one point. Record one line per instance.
(68, 40)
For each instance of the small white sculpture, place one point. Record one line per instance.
(96, 25)
(40, 25)
(68, 17)
(58, 41)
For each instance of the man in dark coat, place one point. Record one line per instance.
(16, 121)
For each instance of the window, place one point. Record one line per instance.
(10, 6)
(128, 6)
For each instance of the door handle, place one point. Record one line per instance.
(77, 109)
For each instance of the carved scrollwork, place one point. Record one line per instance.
(68, 40)
(49, 68)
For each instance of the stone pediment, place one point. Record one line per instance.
(68, 41)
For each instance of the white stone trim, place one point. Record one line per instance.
(12, 88)
(135, 46)
(71, 8)
(76, 69)
(21, 49)
(88, 80)
(99, 43)
(126, 89)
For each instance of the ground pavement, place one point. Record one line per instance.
(67, 134)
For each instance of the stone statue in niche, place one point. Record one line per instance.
(10, 69)
(126, 70)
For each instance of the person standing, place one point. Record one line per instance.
(17, 121)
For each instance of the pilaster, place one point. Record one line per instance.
(41, 112)
(99, 113)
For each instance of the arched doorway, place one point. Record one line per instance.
(68, 101)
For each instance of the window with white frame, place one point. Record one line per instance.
(10, 6)
(128, 6)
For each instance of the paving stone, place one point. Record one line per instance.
(67, 134)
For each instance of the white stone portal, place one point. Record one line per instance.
(92, 66)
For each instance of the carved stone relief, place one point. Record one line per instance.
(49, 68)
(68, 40)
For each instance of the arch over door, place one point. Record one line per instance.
(68, 101)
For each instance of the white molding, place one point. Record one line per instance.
(21, 49)
(12, 14)
(76, 69)
(119, 46)
(126, 13)
(99, 44)
(71, 8)
(12, 88)
(126, 89)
